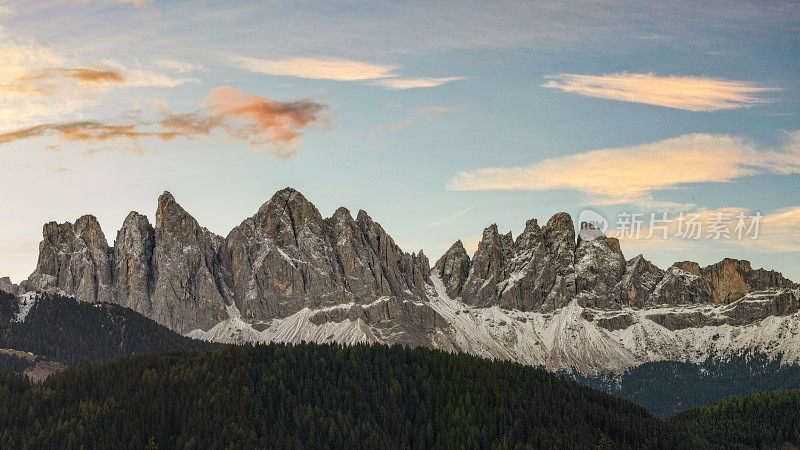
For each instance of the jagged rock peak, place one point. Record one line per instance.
(640, 279)
(688, 266)
(362, 216)
(488, 268)
(73, 259)
(289, 218)
(190, 282)
(530, 237)
(342, 213)
(599, 268)
(731, 279)
(453, 268)
(171, 214)
(285, 198)
(6, 285)
(131, 264)
(561, 220)
(457, 247)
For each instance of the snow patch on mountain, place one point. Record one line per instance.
(572, 338)
(293, 329)
(26, 302)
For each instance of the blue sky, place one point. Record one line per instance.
(437, 118)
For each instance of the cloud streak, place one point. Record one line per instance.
(429, 113)
(338, 69)
(228, 114)
(393, 126)
(448, 219)
(777, 230)
(680, 92)
(178, 66)
(413, 83)
(82, 75)
(631, 174)
(39, 85)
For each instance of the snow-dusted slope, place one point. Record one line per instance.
(26, 302)
(571, 338)
(296, 328)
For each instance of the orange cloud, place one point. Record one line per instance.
(229, 114)
(689, 93)
(89, 76)
(260, 116)
(630, 174)
(88, 132)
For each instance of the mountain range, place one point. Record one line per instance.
(547, 298)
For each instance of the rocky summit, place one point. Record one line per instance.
(547, 298)
(285, 258)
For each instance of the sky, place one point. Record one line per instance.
(438, 118)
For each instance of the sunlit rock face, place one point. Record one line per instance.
(283, 259)
(74, 259)
(134, 279)
(545, 298)
(287, 257)
(190, 280)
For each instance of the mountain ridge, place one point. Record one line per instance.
(288, 274)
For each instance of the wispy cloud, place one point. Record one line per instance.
(228, 114)
(138, 3)
(338, 69)
(429, 113)
(631, 174)
(50, 81)
(681, 92)
(412, 83)
(393, 126)
(448, 219)
(88, 132)
(318, 68)
(436, 112)
(777, 230)
(178, 66)
(39, 85)
(138, 77)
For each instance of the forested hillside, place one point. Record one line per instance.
(666, 388)
(318, 396)
(764, 420)
(65, 330)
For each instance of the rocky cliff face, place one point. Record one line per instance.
(190, 280)
(534, 272)
(453, 268)
(599, 268)
(640, 280)
(731, 279)
(132, 264)
(8, 287)
(545, 269)
(283, 259)
(74, 259)
(287, 259)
